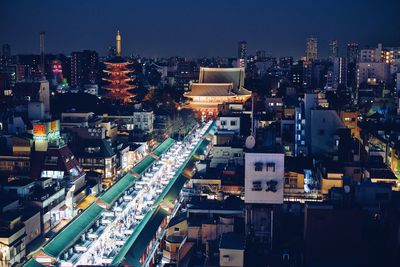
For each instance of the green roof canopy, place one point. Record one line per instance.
(143, 233)
(164, 146)
(115, 191)
(143, 164)
(72, 231)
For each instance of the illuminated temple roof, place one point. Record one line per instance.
(211, 89)
(224, 82)
(223, 75)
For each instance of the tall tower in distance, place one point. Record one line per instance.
(333, 50)
(117, 76)
(41, 44)
(312, 49)
(242, 53)
(118, 40)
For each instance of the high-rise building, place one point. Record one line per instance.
(333, 50)
(312, 49)
(119, 82)
(339, 72)
(84, 67)
(352, 53)
(242, 52)
(352, 59)
(242, 49)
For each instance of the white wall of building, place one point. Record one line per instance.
(255, 175)
(229, 124)
(224, 154)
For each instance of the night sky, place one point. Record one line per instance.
(197, 28)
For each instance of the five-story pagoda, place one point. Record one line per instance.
(119, 82)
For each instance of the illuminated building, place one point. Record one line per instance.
(84, 66)
(339, 72)
(352, 52)
(350, 120)
(333, 50)
(216, 86)
(46, 133)
(118, 76)
(242, 51)
(56, 67)
(312, 49)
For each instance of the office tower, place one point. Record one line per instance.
(84, 67)
(352, 53)
(339, 72)
(119, 82)
(242, 52)
(333, 50)
(312, 49)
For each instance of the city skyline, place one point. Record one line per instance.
(185, 29)
(185, 133)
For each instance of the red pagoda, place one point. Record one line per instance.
(119, 83)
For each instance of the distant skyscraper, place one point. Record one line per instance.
(242, 52)
(339, 71)
(352, 52)
(333, 50)
(312, 49)
(5, 58)
(6, 51)
(84, 67)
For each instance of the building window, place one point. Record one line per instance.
(176, 229)
(223, 122)
(233, 123)
(258, 166)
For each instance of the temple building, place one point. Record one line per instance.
(119, 81)
(216, 86)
